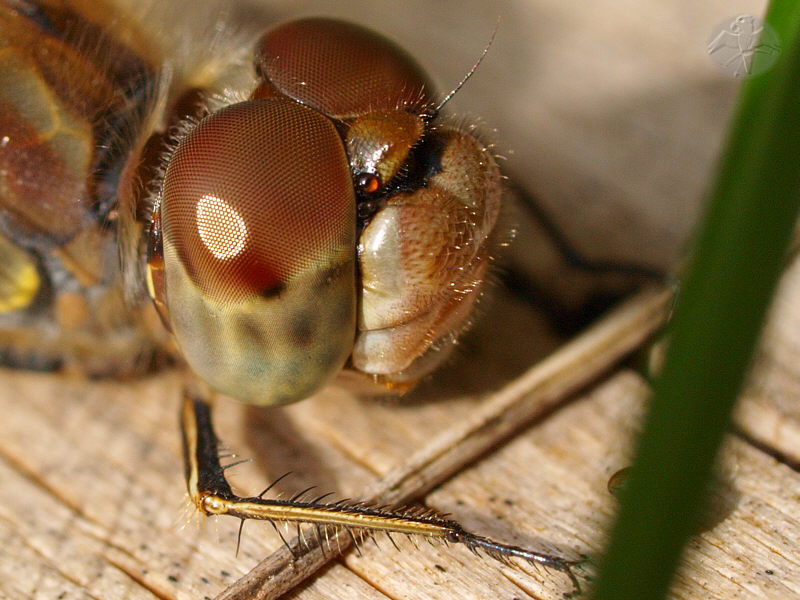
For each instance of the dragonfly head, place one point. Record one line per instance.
(328, 220)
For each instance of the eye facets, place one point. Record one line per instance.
(221, 227)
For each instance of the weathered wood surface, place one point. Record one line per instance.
(614, 114)
(89, 505)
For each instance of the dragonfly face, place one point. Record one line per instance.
(262, 203)
(325, 220)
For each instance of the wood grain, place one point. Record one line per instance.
(528, 398)
(89, 503)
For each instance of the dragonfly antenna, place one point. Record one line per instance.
(471, 71)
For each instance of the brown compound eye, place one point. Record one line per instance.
(374, 88)
(258, 224)
(255, 195)
(341, 69)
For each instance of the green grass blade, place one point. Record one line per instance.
(740, 250)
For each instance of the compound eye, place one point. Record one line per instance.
(253, 196)
(258, 224)
(341, 69)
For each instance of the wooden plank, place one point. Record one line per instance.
(94, 479)
(769, 411)
(551, 484)
(92, 488)
(530, 397)
(93, 484)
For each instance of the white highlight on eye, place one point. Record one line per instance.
(221, 227)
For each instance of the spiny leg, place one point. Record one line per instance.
(211, 493)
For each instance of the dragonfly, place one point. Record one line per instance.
(272, 217)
